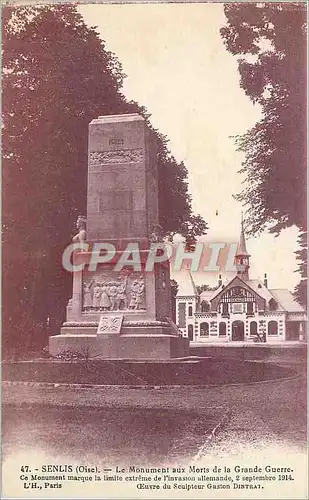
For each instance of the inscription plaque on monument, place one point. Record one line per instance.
(110, 324)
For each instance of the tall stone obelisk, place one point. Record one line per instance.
(122, 199)
(121, 313)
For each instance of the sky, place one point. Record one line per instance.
(177, 66)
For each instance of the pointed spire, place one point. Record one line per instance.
(193, 284)
(187, 287)
(242, 257)
(242, 249)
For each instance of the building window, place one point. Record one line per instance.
(190, 312)
(190, 332)
(225, 308)
(222, 329)
(273, 328)
(204, 306)
(204, 329)
(237, 307)
(273, 306)
(249, 307)
(182, 315)
(253, 329)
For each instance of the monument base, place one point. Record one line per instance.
(125, 346)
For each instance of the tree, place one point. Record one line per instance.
(203, 288)
(301, 256)
(175, 210)
(271, 37)
(57, 76)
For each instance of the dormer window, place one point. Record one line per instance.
(273, 305)
(204, 306)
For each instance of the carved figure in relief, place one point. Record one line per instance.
(134, 288)
(137, 294)
(104, 301)
(88, 300)
(97, 291)
(140, 295)
(112, 295)
(80, 237)
(121, 298)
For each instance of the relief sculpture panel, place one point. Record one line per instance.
(116, 156)
(103, 292)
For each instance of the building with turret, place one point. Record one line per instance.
(241, 309)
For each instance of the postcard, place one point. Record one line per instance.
(154, 243)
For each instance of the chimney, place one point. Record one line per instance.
(220, 280)
(265, 280)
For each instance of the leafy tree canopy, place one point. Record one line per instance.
(57, 76)
(204, 288)
(274, 35)
(301, 257)
(270, 39)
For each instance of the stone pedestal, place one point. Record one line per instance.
(128, 347)
(122, 210)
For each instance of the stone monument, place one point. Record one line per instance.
(125, 311)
